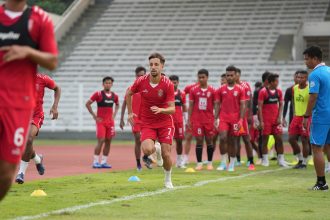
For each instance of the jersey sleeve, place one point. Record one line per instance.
(191, 95)
(183, 97)
(135, 88)
(243, 96)
(280, 94)
(314, 83)
(248, 92)
(261, 95)
(50, 83)
(95, 97)
(170, 93)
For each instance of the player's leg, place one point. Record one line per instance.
(327, 152)
(199, 151)
(249, 151)
(105, 153)
(223, 133)
(232, 151)
(100, 135)
(264, 141)
(306, 150)
(209, 135)
(187, 145)
(26, 155)
(165, 137)
(137, 150)
(278, 133)
(178, 136)
(294, 132)
(238, 152)
(148, 145)
(7, 171)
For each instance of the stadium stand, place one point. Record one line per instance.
(112, 39)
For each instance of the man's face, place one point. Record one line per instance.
(223, 80)
(175, 83)
(156, 68)
(302, 79)
(202, 79)
(311, 63)
(295, 79)
(274, 84)
(230, 77)
(141, 73)
(107, 85)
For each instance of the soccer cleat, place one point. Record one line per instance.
(159, 154)
(106, 166)
(40, 166)
(222, 167)
(320, 187)
(251, 167)
(209, 167)
(199, 166)
(282, 164)
(139, 168)
(300, 166)
(238, 163)
(96, 165)
(168, 185)
(20, 178)
(147, 162)
(265, 163)
(231, 168)
(259, 161)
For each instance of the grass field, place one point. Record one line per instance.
(267, 193)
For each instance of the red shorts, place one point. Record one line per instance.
(231, 128)
(37, 120)
(245, 130)
(163, 135)
(297, 128)
(273, 129)
(199, 130)
(178, 130)
(254, 134)
(105, 130)
(188, 129)
(14, 129)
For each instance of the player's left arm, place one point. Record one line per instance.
(242, 110)
(168, 111)
(57, 96)
(280, 108)
(116, 108)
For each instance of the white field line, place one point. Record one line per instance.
(140, 195)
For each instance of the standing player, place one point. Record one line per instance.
(180, 107)
(43, 81)
(254, 131)
(230, 110)
(270, 105)
(288, 99)
(318, 104)
(157, 107)
(27, 41)
(188, 133)
(105, 126)
(300, 95)
(201, 117)
(246, 122)
(136, 129)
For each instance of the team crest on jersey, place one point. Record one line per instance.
(312, 84)
(160, 93)
(235, 93)
(208, 94)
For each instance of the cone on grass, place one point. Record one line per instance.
(38, 193)
(134, 179)
(190, 170)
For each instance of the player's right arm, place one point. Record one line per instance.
(123, 109)
(190, 109)
(260, 106)
(57, 96)
(89, 107)
(130, 116)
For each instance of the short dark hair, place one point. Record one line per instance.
(203, 71)
(302, 72)
(258, 84)
(238, 70)
(108, 78)
(159, 56)
(174, 77)
(272, 77)
(231, 68)
(264, 76)
(313, 51)
(139, 69)
(223, 75)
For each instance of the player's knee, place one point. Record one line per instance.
(223, 138)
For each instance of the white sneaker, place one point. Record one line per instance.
(159, 154)
(265, 163)
(168, 185)
(327, 169)
(282, 164)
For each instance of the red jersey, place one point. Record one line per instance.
(180, 100)
(105, 102)
(271, 100)
(159, 96)
(230, 102)
(18, 78)
(43, 81)
(189, 87)
(203, 104)
(247, 90)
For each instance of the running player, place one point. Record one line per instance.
(300, 95)
(247, 122)
(270, 105)
(104, 118)
(201, 117)
(27, 41)
(157, 107)
(230, 109)
(318, 103)
(188, 133)
(43, 81)
(136, 129)
(180, 107)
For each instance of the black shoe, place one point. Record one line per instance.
(317, 186)
(40, 167)
(147, 162)
(20, 178)
(273, 158)
(300, 166)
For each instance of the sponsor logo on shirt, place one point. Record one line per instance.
(160, 93)
(235, 93)
(208, 94)
(300, 98)
(312, 84)
(108, 101)
(9, 36)
(145, 91)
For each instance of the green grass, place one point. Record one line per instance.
(60, 142)
(277, 195)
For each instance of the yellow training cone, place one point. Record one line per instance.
(38, 193)
(190, 170)
(311, 162)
